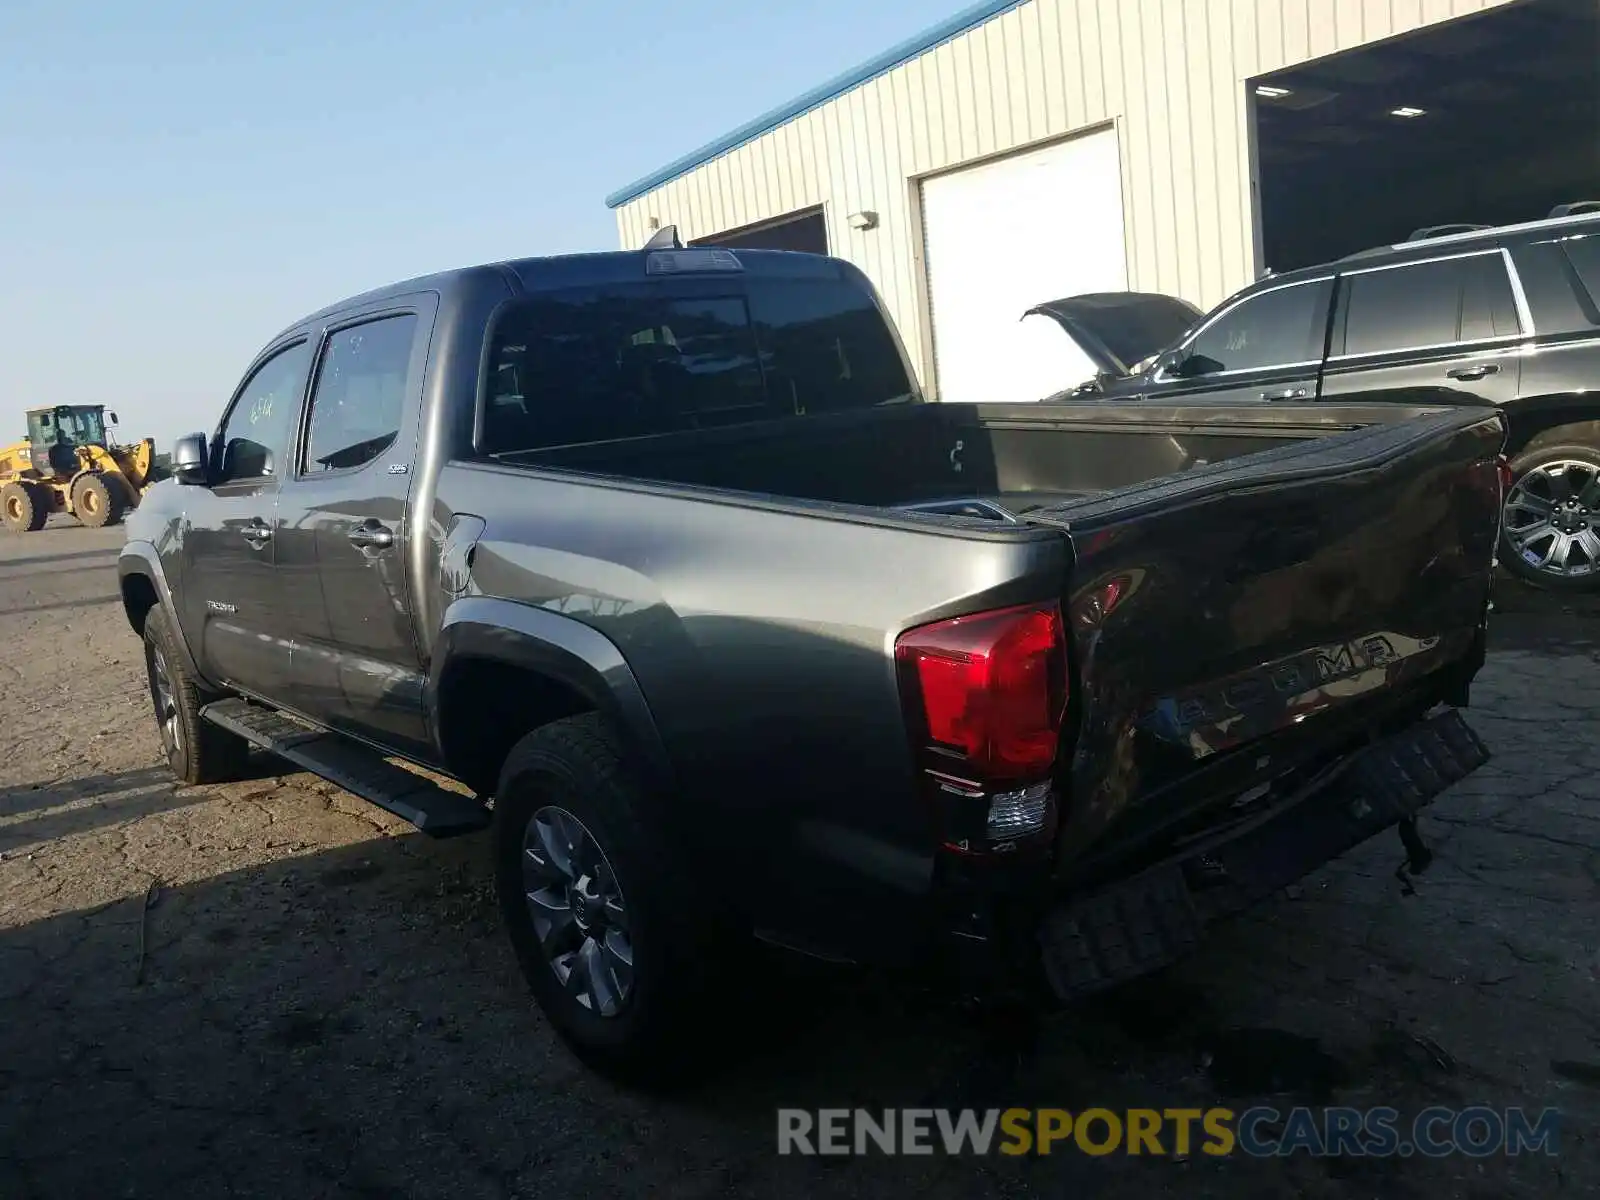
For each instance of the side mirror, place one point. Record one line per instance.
(1192, 366)
(189, 454)
(112, 417)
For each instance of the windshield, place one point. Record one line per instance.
(80, 426)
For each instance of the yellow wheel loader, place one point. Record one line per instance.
(70, 463)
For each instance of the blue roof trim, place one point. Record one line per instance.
(881, 64)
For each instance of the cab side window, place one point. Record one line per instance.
(1275, 328)
(1431, 304)
(255, 434)
(360, 395)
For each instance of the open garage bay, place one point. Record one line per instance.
(1492, 119)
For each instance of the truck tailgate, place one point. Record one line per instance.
(1240, 622)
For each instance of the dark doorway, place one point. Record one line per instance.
(1491, 119)
(806, 231)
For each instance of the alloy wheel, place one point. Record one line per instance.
(578, 911)
(166, 702)
(1552, 518)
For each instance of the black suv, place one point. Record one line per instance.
(1507, 316)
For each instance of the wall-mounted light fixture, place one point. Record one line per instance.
(864, 219)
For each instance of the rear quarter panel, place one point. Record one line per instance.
(762, 637)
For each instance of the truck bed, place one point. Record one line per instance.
(1250, 588)
(1001, 459)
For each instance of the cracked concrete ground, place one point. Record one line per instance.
(272, 989)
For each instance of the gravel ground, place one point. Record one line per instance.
(273, 989)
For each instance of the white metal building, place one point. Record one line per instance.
(1023, 152)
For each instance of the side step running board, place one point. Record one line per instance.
(354, 767)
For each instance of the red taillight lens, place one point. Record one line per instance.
(1507, 475)
(991, 689)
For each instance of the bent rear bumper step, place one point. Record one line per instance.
(1141, 924)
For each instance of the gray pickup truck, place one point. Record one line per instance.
(661, 560)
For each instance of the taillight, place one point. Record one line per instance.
(1507, 475)
(985, 696)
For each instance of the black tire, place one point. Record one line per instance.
(22, 507)
(196, 750)
(676, 939)
(1531, 479)
(96, 502)
(130, 496)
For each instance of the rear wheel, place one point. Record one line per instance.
(97, 501)
(617, 950)
(22, 508)
(1550, 531)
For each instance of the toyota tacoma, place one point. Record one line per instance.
(662, 562)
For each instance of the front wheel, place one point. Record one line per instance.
(95, 501)
(1550, 527)
(615, 945)
(197, 751)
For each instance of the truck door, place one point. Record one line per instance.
(355, 659)
(229, 588)
(1267, 346)
(1449, 322)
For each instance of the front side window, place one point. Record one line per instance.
(255, 433)
(1275, 328)
(80, 426)
(360, 394)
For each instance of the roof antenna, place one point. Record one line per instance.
(665, 238)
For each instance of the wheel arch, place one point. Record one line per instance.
(501, 669)
(143, 585)
(1553, 420)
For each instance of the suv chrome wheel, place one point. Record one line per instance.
(1552, 518)
(578, 911)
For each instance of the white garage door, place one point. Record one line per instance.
(1005, 235)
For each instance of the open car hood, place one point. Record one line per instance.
(1119, 329)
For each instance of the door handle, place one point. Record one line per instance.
(258, 533)
(1475, 371)
(1294, 393)
(372, 536)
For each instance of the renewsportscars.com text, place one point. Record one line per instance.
(1260, 1132)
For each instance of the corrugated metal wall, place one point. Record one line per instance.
(1170, 73)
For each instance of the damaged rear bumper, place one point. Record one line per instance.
(1137, 925)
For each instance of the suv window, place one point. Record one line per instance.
(1584, 255)
(1273, 328)
(1488, 309)
(1429, 304)
(604, 364)
(360, 394)
(255, 433)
